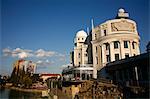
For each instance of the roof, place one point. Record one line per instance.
(50, 75)
(129, 62)
(81, 33)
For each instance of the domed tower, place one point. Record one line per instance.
(80, 54)
(80, 38)
(114, 40)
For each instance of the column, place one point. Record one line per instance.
(94, 62)
(103, 55)
(136, 75)
(83, 57)
(80, 74)
(130, 48)
(75, 57)
(137, 48)
(100, 57)
(94, 54)
(122, 49)
(112, 58)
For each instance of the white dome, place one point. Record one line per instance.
(81, 33)
(121, 10)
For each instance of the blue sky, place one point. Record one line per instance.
(44, 29)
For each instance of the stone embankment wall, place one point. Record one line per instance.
(99, 90)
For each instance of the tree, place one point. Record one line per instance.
(27, 81)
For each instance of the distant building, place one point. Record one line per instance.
(48, 76)
(27, 66)
(114, 40)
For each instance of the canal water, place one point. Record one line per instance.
(13, 94)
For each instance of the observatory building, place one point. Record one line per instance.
(110, 41)
(114, 40)
(80, 68)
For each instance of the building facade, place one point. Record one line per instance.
(131, 74)
(114, 40)
(80, 53)
(110, 41)
(26, 66)
(80, 67)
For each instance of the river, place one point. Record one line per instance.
(13, 94)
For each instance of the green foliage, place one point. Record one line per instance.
(27, 81)
(19, 76)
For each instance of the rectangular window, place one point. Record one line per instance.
(79, 55)
(107, 46)
(116, 57)
(96, 49)
(96, 60)
(108, 58)
(125, 44)
(78, 74)
(115, 45)
(83, 76)
(133, 45)
(126, 55)
(104, 32)
(95, 36)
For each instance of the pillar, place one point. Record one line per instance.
(112, 58)
(94, 62)
(103, 55)
(136, 74)
(137, 48)
(130, 48)
(121, 49)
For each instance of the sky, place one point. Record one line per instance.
(43, 30)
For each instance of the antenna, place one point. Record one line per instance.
(88, 30)
(92, 23)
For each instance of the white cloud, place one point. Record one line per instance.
(43, 53)
(18, 52)
(66, 65)
(39, 62)
(39, 54)
(6, 51)
(22, 55)
(44, 62)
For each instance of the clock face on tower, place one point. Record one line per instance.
(122, 26)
